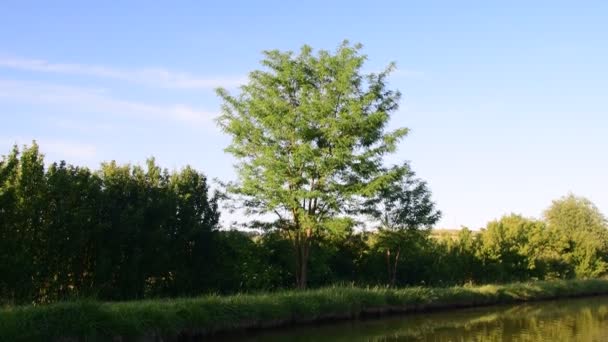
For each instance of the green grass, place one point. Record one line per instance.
(208, 314)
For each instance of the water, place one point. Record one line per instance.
(563, 320)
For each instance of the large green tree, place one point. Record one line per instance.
(581, 234)
(310, 133)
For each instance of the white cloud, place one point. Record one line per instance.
(80, 126)
(54, 148)
(69, 149)
(98, 100)
(155, 77)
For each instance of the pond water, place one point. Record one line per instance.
(564, 320)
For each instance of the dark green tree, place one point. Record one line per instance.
(463, 266)
(9, 172)
(122, 232)
(405, 211)
(71, 216)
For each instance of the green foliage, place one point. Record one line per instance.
(405, 212)
(510, 248)
(310, 135)
(122, 232)
(404, 203)
(129, 232)
(581, 233)
(460, 260)
(195, 317)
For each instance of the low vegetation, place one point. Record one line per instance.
(189, 317)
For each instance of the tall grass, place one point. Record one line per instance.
(208, 314)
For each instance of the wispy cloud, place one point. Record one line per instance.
(81, 126)
(155, 77)
(98, 100)
(57, 149)
(70, 149)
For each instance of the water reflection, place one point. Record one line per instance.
(564, 320)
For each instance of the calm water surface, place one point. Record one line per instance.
(563, 320)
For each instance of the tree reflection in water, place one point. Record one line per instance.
(563, 320)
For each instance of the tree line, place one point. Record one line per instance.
(310, 133)
(119, 232)
(127, 232)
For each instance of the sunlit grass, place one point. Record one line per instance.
(208, 314)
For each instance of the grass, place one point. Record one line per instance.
(208, 314)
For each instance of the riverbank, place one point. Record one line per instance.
(190, 317)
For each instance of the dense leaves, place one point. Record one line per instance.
(126, 232)
(118, 233)
(580, 234)
(310, 135)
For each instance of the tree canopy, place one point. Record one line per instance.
(310, 133)
(404, 204)
(581, 232)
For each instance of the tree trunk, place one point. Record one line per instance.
(394, 280)
(302, 254)
(388, 266)
(303, 275)
(391, 266)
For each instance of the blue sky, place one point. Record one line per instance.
(506, 101)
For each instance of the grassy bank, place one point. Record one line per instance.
(203, 315)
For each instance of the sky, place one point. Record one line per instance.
(506, 101)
